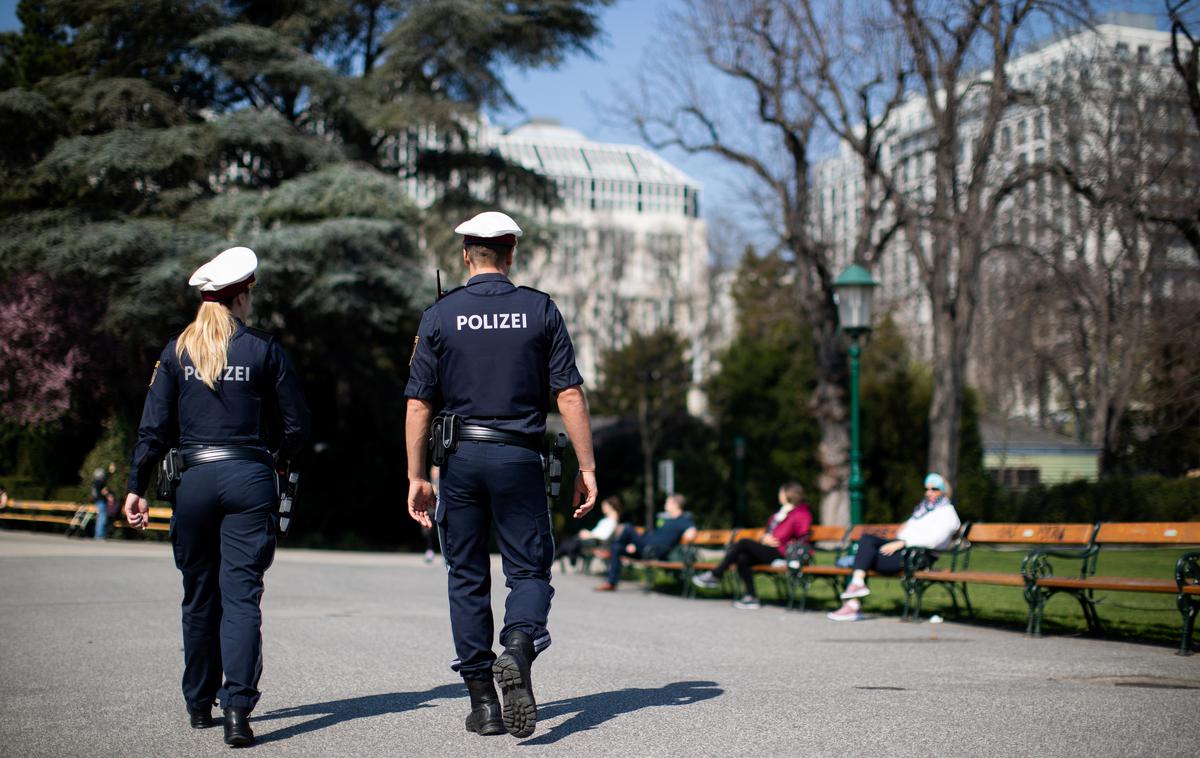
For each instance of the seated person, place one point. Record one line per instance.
(572, 547)
(932, 525)
(789, 524)
(655, 544)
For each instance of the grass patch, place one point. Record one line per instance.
(1140, 616)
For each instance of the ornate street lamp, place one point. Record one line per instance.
(853, 292)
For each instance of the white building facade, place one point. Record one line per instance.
(1126, 45)
(628, 251)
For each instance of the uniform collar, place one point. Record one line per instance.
(480, 278)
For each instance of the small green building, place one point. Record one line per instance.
(1019, 455)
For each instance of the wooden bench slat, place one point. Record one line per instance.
(1032, 534)
(1150, 533)
(972, 577)
(1111, 583)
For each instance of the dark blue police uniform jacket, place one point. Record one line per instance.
(493, 353)
(222, 527)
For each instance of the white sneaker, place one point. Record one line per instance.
(747, 603)
(848, 612)
(858, 589)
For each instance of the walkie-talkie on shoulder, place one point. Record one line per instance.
(440, 292)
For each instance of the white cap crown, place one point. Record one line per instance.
(489, 224)
(237, 264)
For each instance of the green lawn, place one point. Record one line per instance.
(1125, 615)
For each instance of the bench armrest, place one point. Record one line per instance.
(1036, 563)
(918, 558)
(1187, 569)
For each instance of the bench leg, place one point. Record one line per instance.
(805, 584)
(1088, 603)
(967, 601)
(1036, 601)
(1189, 608)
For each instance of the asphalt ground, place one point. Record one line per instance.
(357, 647)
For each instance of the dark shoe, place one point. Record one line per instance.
(201, 718)
(237, 727)
(511, 670)
(485, 718)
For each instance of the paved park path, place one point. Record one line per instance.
(357, 646)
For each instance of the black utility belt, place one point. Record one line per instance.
(448, 430)
(195, 456)
(178, 460)
(473, 433)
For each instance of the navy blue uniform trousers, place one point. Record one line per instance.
(485, 485)
(223, 533)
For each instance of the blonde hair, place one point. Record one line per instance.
(206, 341)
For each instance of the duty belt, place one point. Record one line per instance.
(475, 433)
(195, 456)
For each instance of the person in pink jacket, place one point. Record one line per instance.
(791, 523)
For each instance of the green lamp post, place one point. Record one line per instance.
(853, 292)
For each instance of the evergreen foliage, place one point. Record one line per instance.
(146, 137)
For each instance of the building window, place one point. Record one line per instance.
(1017, 478)
(665, 250)
(1005, 138)
(1039, 126)
(1022, 131)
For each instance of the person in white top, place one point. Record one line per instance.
(933, 524)
(572, 547)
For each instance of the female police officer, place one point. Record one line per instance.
(224, 393)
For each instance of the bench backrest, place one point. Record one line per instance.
(749, 534)
(1032, 534)
(42, 506)
(710, 538)
(823, 533)
(1151, 533)
(879, 530)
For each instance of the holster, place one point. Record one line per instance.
(443, 438)
(554, 466)
(289, 485)
(170, 472)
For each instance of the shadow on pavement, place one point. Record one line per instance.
(336, 711)
(592, 710)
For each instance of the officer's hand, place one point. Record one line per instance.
(585, 491)
(136, 511)
(420, 501)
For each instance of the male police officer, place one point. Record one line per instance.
(494, 353)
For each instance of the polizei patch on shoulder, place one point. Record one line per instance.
(154, 373)
(414, 352)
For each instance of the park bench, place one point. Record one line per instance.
(954, 573)
(1049, 543)
(74, 517)
(1185, 584)
(720, 540)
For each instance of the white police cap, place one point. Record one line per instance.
(488, 225)
(233, 266)
(231, 270)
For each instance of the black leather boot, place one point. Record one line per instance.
(237, 727)
(485, 718)
(511, 670)
(200, 718)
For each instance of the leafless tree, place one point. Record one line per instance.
(1089, 234)
(943, 183)
(1185, 58)
(732, 85)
